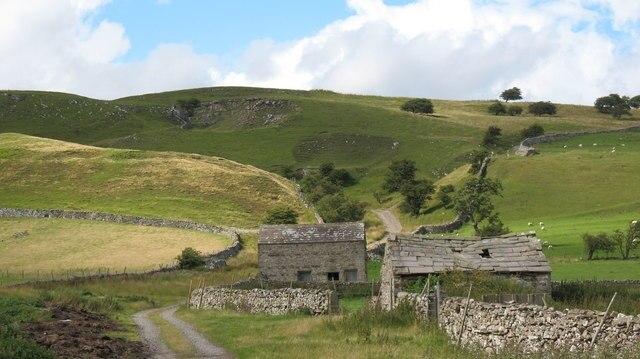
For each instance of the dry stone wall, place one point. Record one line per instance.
(215, 260)
(262, 301)
(533, 329)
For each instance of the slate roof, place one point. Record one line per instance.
(310, 233)
(413, 254)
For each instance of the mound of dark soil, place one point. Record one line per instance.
(77, 333)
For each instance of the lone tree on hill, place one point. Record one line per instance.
(542, 108)
(616, 105)
(418, 105)
(511, 94)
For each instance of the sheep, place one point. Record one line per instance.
(545, 243)
(529, 224)
(565, 146)
(613, 151)
(595, 144)
(634, 222)
(541, 224)
(542, 228)
(550, 246)
(580, 145)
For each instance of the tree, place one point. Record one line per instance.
(281, 215)
(493, 227)
(511, 94)
(627, 241)
(400, 173)
(326, 169)
(445, 195)
(477, 158)
(598, 242)
(614, 105)
(514, 110)
(473, 200)
(337, 208)
(532, 131)
(190, 258)
(415, 194)
(418, 105)
(542, 108)
(634, 102)
(492, 136)
(497, 108)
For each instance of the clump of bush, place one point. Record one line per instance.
(418, 105)
(542, 108)
(281, 215)
(625, 242)
(497, 108)
(190, 258)
(514, 110)
(532, 131)
(325, 189)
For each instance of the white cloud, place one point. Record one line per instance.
(553, 50)
(52, 45)
(454, 49)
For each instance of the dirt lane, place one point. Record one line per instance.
(205, 348)
(391, 223)
(150, 335)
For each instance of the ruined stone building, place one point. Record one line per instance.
(409, 256)
(313, 252)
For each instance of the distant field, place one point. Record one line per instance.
(42, 173)
(83, 247)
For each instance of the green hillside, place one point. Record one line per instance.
(43, 173)
(271, 128)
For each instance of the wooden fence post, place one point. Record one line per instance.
(593, 340)
(464, 316)
(189, 296)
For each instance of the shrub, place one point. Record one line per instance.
(418, 105)
(598, 242)
(511, 94)
(492, 136)
(514, 110)
(445, 194)
(497, 108)
(281, 215)
(190, 258)
(337, 208)
(532, 131)
(614, 105)
(542, 108)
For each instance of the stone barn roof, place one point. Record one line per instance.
(412, 254)
(311, 233)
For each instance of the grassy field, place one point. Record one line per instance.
(361, 133)
(75, 246)
(43, 173)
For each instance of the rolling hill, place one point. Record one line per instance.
(44, 173)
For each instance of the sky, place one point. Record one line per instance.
(566, 51)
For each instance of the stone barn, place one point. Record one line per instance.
(409, 256)
(313, 252)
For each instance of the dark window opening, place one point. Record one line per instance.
(304, 276)
(333, 276)
(485, 254)
(351, 275)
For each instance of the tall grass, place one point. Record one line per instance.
(596, 295)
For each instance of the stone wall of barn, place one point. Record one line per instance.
(532, 328)
(283, 261)
(263, 301)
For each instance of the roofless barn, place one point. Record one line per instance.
(313, 252)
(408, 257)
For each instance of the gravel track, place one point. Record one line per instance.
(150, 335)
(391, 223)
